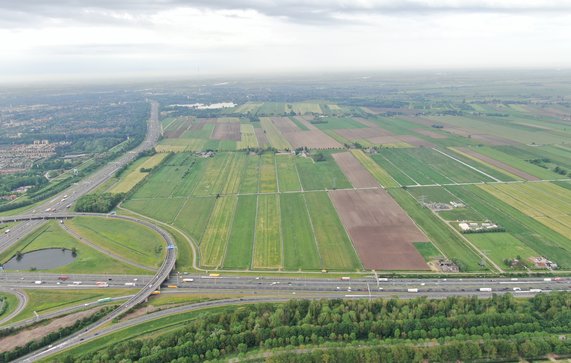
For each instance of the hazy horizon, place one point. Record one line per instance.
(97, 40)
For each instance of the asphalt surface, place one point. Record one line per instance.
(22, 302)
(59, 202)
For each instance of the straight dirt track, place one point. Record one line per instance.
(382, 232)
(355, 172)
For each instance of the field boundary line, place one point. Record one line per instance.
(229, 233)
(277, 173)
(282, 258)
(298, 177)
(346, 232)
(470, 244)
(399, 169)
(180, 210)
(313, 231)
(255, 233)
(468, 165)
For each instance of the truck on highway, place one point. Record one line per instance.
(7, 231)
(345, 278)
(172, 286)
(76, 282)
(485, 289)
(412, 290)
(101, 284)
(63, 278)
(213, 275)
(38, 282)
(547, 279)
(187, 280)
(156, 292)
(130, 284)
(103, 300)
(381, 279)
(535, 290)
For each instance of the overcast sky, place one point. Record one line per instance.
(100, 38)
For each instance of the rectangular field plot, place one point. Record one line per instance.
(250, 179)
(273, 134)
(381, 175)
(300, 249)
(193, 217)
(321, 175)
(335, 248)
(247, 137)
(179, 170)
(221, 175)
(241, 240)
(545, 202)
(213, 242)
(354, 171)
(135, 175)
(501, 246)
(425, 167)
(495, 163)
(439, 232)
(526, 229)
(268, 177)
(164, 210)
(331, 123)
(268, 241)
(383, 234)
(288, 179)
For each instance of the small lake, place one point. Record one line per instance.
(41, 259)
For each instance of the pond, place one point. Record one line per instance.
(44, 259)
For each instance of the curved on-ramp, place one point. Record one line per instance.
(22, 302)
(162, 274)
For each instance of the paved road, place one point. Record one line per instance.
(61, 312)
(22, 302)
(71, 194)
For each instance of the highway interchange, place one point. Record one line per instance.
(251, 288)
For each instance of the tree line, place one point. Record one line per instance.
(456, 328)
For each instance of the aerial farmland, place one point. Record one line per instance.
(309, 187)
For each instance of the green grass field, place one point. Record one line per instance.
(545, 202)
(300, 248)
(321, 175)
(501, 246)
(213, 242)
(250, 179)
(380, 174)
(248, 137)
(439, 233)
(9, 303)
(275, 137)
(425, 167)
(268, 240)
(288, 179)
(194, 216)
(268, 177)
(163, 209)
(88, 260)
(530, 232)
(130, 178)
(241, 239)
(427, 250)
(335, 247)
(124, 238)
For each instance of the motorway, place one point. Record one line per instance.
(74, 192)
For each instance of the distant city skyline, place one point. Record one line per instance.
(107, 39)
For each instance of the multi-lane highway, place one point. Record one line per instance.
(71, 194)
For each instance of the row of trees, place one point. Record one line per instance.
(470, 325)
(99, 202)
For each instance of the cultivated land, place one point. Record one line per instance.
(246, 209)
(383, 234)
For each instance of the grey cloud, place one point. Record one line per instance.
(29, 12)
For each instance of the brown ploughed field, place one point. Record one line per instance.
(415, 141)
(431, 134)
(262, 139)
(364, 133)
(284, 124)
(226, 131)
(498, 164)
(381, 231)
(198, 124)
(354, 171)
(306, 120)
(313, 139)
